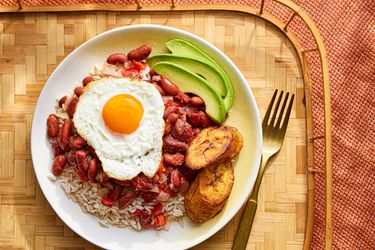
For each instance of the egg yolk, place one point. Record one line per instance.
(122, 114)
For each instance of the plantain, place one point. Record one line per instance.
(236, 144)
(208, 147)
(212, 146)
(209, 192)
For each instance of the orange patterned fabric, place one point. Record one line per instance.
(349, 34)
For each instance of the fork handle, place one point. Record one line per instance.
(246, 223)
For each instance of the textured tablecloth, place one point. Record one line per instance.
(348, 30)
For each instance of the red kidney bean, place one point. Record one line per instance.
(91, 173)
(172, 118)
(55, 147)
(58, 165)
(140, 53)
(168, 128)
(87, 80)
(171, 144)
(205, 120)
(72, 106)
(81, 157)
(79, 91)
(145, 186)
(169, 110)
(174, 159)
(114, 194)
(194, 119)
(175, 178)
(52, 125)
(182, 131)
(77, 142)
(161, 91)
(126, 199)
(62, 101)
(196, 100)
(64, 135)
(183, 98)
(169, 87)
(72, 158)
(117, 58)
(155, 179)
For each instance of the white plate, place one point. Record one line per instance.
(244, 115)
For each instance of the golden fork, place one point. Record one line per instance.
(273, 137)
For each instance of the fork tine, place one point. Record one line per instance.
(286, 120)
(282, 110)
(276, 108)
(268, 112)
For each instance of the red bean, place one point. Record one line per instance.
(174, 159)
(62, 101)
(117, 58)
(79, 91)
(195, 100)
(183, 98)
(87, 80)
(76, 142)
(81, 157)
(64, 135)
(169, 87)
(72, 106)
(171, 144)
(58, 165)
(169, 110)
(55, 147)
(52, 125)
(140, 53)
(175, 178)
(172, 118)
(91, 173)
(72, 158)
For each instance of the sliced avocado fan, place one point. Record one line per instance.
(183, 48)
(189, 82)
(202, 69)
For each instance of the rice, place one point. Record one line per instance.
(88, 196)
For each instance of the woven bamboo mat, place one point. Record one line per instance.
(32, 45)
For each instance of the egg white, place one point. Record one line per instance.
(123, 156)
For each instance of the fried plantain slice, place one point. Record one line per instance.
(237, 143)
(208, 147)
(209, 192)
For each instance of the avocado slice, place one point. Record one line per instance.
(205, 70)
(189, 82)
(181, 47)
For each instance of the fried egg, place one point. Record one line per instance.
(122, 119)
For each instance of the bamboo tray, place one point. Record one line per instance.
(270, 56)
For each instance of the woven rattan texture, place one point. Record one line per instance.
(348, 30)
(32, 45)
